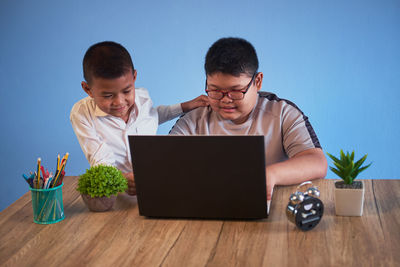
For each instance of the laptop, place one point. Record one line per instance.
(210, 177)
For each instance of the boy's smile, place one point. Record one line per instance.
(115, 97)
(235, 110)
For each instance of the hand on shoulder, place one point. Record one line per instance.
(200, 101)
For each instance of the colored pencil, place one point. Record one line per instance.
(59, 173)
(38, 172)
(58, 162)
(66, 157)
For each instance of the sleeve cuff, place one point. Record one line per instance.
(176, 110)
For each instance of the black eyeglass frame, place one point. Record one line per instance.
(229, 92)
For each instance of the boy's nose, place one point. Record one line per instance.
(226, 99)
(117, 100)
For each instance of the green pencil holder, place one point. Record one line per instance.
(47, 205)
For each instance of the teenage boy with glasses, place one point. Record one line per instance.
(238, 107)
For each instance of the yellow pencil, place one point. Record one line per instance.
(61, 168)
(38, 172)
(66, 157)
(58, 174)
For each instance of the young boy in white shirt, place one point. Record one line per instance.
(115, 109)
(293, 153)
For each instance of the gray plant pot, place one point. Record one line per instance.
(99, 203)
(349, 201)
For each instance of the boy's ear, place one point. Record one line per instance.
(86, 88)
(134, 75)
(258, 80)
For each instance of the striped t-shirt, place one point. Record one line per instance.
(286, 129)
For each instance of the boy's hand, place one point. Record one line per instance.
(200, 101)
(131, 183)
(270, 190)
(270, 182)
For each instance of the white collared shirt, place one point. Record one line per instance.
(104, 138)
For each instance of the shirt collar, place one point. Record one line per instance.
(99, 113)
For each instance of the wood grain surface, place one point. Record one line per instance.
(121, 237)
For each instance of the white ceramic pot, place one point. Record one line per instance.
(349, 202)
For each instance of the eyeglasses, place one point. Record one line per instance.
(234, 94)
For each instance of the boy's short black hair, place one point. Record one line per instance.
(231, 56)
(107, 60)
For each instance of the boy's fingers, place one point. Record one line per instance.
(131, 186)
(131, 190)
(269, 193)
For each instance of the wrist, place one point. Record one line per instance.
(271, 175)
(185, 107)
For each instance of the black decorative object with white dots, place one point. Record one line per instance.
(305, 209)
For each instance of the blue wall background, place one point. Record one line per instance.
(339, 61)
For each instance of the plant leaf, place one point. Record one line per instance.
(354, 173)
(335, 159)
(363, 168)
(338, 166)
(347, 171)
(348, 180)
(360, 161)
(336, 172)
(342, 157)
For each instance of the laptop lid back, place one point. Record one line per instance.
(200, 176)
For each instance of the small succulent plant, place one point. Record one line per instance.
(346, 168)
(102, 180)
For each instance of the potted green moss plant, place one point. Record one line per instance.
(349, 194)
(100, 185)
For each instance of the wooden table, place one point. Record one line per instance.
(123, 238)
